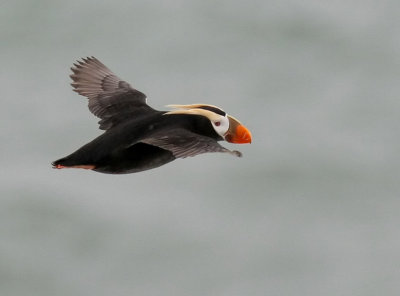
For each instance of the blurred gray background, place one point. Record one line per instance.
(311, 209)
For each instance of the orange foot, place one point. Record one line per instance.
(84, 166)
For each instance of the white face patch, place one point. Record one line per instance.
(221, 125)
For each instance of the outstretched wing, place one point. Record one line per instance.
(110, 98)
(183, 143)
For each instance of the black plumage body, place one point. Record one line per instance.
(119, 150)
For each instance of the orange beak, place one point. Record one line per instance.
(237, 133)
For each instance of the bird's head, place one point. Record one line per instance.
(224, 125)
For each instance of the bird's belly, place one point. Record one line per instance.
(136, 158)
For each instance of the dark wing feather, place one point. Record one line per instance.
(183, 143)
(110, 98)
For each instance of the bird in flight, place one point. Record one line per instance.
(138, 137)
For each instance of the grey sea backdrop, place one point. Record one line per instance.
(313, 206)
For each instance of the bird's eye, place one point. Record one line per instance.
(217, 123)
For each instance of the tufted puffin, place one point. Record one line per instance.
(138, 137)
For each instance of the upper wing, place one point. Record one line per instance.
(183, 143)
(110, 98)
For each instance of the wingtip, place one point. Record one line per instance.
(237, 153)
(84, 60)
